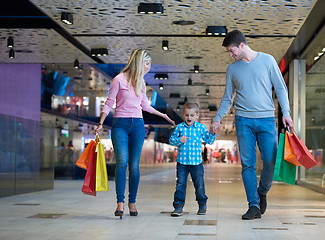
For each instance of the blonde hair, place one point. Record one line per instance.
(134, 68)
(189, 105)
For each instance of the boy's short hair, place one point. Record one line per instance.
(234, 38)
(190, 105)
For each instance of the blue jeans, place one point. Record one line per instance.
(197, 175)
(127, 137)
(263, 132)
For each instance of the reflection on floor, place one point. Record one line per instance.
(294, 212)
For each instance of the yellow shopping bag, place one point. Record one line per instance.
(101, 172)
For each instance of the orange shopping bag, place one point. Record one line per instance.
(289, 154)
(83, 160)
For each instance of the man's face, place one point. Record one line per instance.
(190, 116)
(236, 52)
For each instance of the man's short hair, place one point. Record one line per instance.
(234, 38)
(190, 105)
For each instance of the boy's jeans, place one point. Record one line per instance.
(197, 174)
(127, 137)
(263, 131)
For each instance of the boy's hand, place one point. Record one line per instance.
(184, 139)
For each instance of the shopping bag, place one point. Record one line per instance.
(283, 170)
(89, 186)
(303, 155)
(83, 160)
(101, 172)
(289, 154)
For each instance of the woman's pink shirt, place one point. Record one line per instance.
(128, 104)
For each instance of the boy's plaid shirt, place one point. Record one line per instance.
(190, 153)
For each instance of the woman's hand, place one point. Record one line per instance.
(98, 127)
(169, 120)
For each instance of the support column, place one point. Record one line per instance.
(297, 98)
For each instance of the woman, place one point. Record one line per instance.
(129, 90)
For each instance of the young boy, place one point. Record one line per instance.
(188, 136)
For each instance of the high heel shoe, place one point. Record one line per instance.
(133, 213)
(119, 213)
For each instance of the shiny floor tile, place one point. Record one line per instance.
(200, 222)
(64, 213)
(196, 234)
(47, 215)
(26, 204)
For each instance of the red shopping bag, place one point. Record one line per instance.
(289, 153)
(89, 186)
(303, 155)
(83, 160)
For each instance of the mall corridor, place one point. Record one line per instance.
(293, 212)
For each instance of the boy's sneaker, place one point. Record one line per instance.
(202, 210)
(177, 212)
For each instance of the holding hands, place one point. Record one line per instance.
(215, 127)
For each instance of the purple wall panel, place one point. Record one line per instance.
(20, 86)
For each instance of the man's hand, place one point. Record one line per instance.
(215, 126)
(184, 139)
(287, 122)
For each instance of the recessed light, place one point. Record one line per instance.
(183, 22)
(193, 57)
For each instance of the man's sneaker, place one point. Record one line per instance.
(177, 212)
(252, 213)
(263, 203)
(202, 210)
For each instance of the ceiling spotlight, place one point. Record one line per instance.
(10, 42)
(216, 30)
(196, 68)
(165, 45)
(161, 86)
(76, 64)
(177, 108)
(207, 92)
(189, 82)
(99, 52)
(67, 18)
(212, 108)
(11, 53)
(150, 8)
(163, 76)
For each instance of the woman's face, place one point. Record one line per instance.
(146, 66)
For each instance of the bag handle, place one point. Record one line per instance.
(97, 139)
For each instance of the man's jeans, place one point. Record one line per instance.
(127, 137)
(263, 131)
(197, 175)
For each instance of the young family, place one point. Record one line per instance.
(249, 82)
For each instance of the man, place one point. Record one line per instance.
(251, 78)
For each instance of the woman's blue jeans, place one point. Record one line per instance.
(263, 132)
(197, 174)
(127, 137)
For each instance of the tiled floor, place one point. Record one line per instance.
(294, 212)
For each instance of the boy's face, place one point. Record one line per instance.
(190, 116)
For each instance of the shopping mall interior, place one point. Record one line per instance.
(57, 62)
